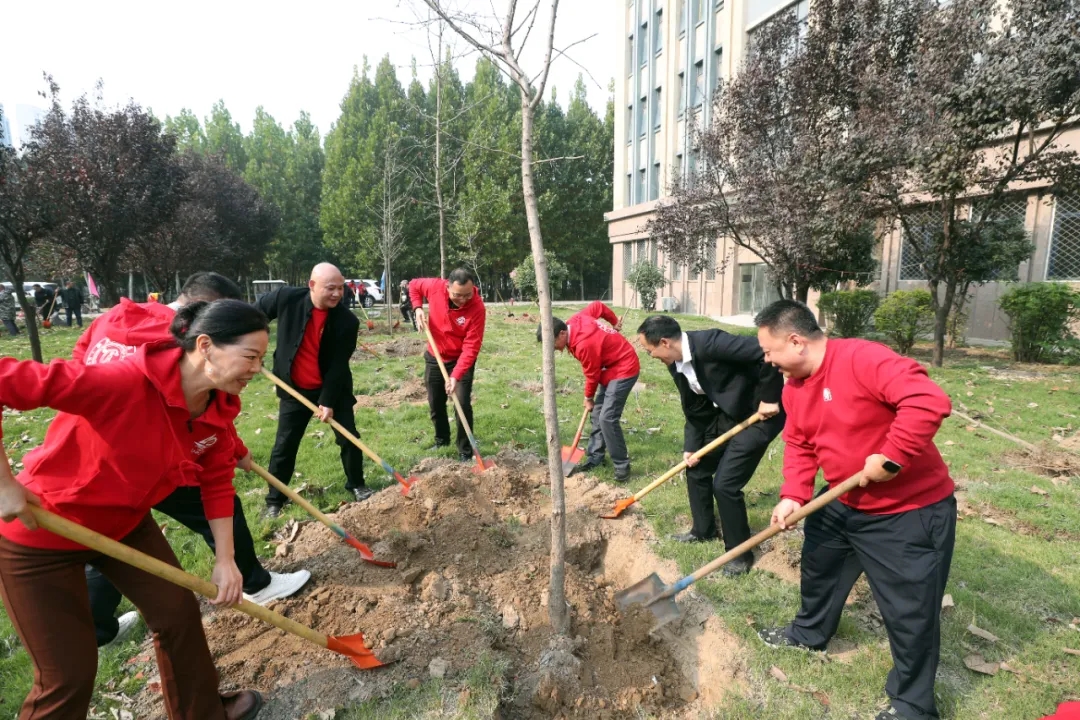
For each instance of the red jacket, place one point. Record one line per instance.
(121, 331)
(866, 399)
(603, 352)
(121, 442)
(459, 332)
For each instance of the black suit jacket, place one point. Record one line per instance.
(732, 371)
(292, 307)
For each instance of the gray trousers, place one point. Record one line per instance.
(606, 429)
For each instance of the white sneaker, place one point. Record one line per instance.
(282, 585)
(127, 623)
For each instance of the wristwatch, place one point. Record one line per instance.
(892, 467)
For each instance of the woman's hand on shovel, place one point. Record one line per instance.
(229, 581)
(15, 500)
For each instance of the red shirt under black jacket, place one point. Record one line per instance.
(866, 399)
(458, 331)
(603, 352)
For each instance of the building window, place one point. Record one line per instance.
(692, 169)
(676, 271)
(658, 32)
(654, 251)
(627, 259)
(639, 191)
(630, 55)
(756, 289)
(718, 5)
(682, 16)
(654, 182)
(699, 83)
(1064, 262)
(919, 236)
(698, 10)
(642, 108)
(629, 124)
(643, 45)
(680, 89)
(656, 109)
(710, 259)
(639, 255)
(717, 68)
(629, 186)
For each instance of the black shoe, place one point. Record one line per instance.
(465, 457)
(437, 446)
(690, 537)
(739, 566)
(586, 465)
(622, 475)
(272, 511)
(362, 493)
(777, 638)
(891, 714)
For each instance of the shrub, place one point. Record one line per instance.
(903, 316)
(524, 276)
(646, 278)
(1040, 315)
(849, 311)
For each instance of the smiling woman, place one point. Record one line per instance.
(178, 400)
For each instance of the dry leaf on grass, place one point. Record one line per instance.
(947, 602)
(1070, 651)
(1036, 490)
(258, 431)
(984, 634)
(991, 521)
(778, 674)
(978, 664)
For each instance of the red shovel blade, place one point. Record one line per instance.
(367, 555)
(482, 465)
(353, 647)
(406, 482)
(620, 508)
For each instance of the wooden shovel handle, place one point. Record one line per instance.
(446, 377)
(293, 495)
(698, 455)
(118, 551)
(580, 429)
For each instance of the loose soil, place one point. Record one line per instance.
(405, 346)
(471, 583)
(411, 391)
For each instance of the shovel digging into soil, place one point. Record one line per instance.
(572, 455)
(364, 550)
(622, 505)
(660, 598)
(406, 483)
(351, 646)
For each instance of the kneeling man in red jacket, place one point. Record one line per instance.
(856, 407)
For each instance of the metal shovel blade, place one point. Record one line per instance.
(353, 647)
(646, 592)
(367, 555)
(406, 483)
(482, 465)
(620, 508)
(570, 459)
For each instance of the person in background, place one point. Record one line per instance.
(406, 304)
(42, 301)
(361, 293)
(73, 300)
(8, 307)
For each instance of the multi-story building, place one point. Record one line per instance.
(674, 52)
(5, 128)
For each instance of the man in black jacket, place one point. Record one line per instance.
(316, 336)
(722, 380)
(72, 297)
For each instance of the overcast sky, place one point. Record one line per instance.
(286, 56)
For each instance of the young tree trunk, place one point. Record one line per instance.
(30, 311)
(438, 158)
(581, 281)
(557, 613)
(802, 292)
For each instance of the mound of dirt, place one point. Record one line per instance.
(471, 583)
(1047, 460)
(407, 345)
(412, 391)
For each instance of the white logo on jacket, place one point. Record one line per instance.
(203, 445)
(460, 320)
(107, 351)
(827, 394)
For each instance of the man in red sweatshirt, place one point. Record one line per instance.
(456, 316)
(857, 408)
(115, 336)
(610, 364)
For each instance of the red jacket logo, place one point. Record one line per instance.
(460, 320)
(107, 351)
(203, 445)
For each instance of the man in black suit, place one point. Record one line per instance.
(722, 380)
(316, 336)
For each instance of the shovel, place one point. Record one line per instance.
(351, 646)
(622, 505)
(660, 598)
(572, 455)
(481, 463)
(406, 483)
(370, 324)
(364, 550)
(46, 322)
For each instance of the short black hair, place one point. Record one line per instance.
(461, 276)
(657, 327)
(225, 321)
(785, 316)
(557, 326)
(209, 286)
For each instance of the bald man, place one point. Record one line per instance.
(316, 336)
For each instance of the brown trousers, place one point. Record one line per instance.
(44, 592)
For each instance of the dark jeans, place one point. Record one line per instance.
(11, 326)
(437, 399)
(721, 475)
(293, 420)
(185, 506)
(607, 434)
(906, 558)
(73, 310)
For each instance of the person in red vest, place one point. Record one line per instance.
(611, 366)
(855, 407)
(456, 316)
(125, 436)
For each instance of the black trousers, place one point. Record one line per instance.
(721, 476)
(76, 311)
(293, 420)
(437, 399)
(185, 506)
(906, 558)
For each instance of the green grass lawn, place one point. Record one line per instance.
(1016, 571)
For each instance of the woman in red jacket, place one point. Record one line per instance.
(124, 438)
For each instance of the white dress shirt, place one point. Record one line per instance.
(686, 367)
